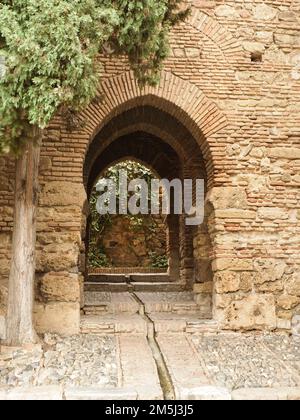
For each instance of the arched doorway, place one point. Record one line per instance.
(128, 244)
(178, 114)
(161, 142)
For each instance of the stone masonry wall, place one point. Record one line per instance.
(129, 245)
(233, 80)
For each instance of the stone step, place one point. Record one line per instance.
(150, 278)
(174, 303)
(158, 287)
(130, 278)
(98, 303)
(113, 324)
(108, 278)
(106, 287)
(136, 287)
(95, 310)
(188, 323)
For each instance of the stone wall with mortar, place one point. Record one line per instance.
(233, 80)
(126, 244)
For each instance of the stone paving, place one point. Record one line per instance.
(211, 366)
(146, 346)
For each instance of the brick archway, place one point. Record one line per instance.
(177, 112)
(148, 120)
(179, 98)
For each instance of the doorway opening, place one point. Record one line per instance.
(126, 243)
(157, 144)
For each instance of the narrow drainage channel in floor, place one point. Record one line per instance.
(163, 373)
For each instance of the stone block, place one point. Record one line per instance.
(264, 12)
(57, 317)
(204, 302)
(269, 270)
(227, 282)
(235, 214)
(254, 47)
(179, 52)
(232, 281)
(271, 286)
(273, 213)
(57, 257)
(265, 37)
(224, 198)
(289, 153)
(284, 39)
(61, 216)
(287, 16)
(59, 193)
(5, 239)
(254, 312)
(226, 11)
(60, 286)
(293, 285)
(58, 238)
(45, 164)
(288, 302)
(232, 264)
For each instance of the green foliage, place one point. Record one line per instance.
(135, 170)
(97, 257)
(138, 223)
(158, 261)
(52, 50)
(143, 34)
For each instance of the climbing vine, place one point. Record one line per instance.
(101, 224)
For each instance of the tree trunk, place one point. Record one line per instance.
(20, 329)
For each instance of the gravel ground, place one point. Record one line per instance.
(250, 361)
(229, 360)
(76, 361)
